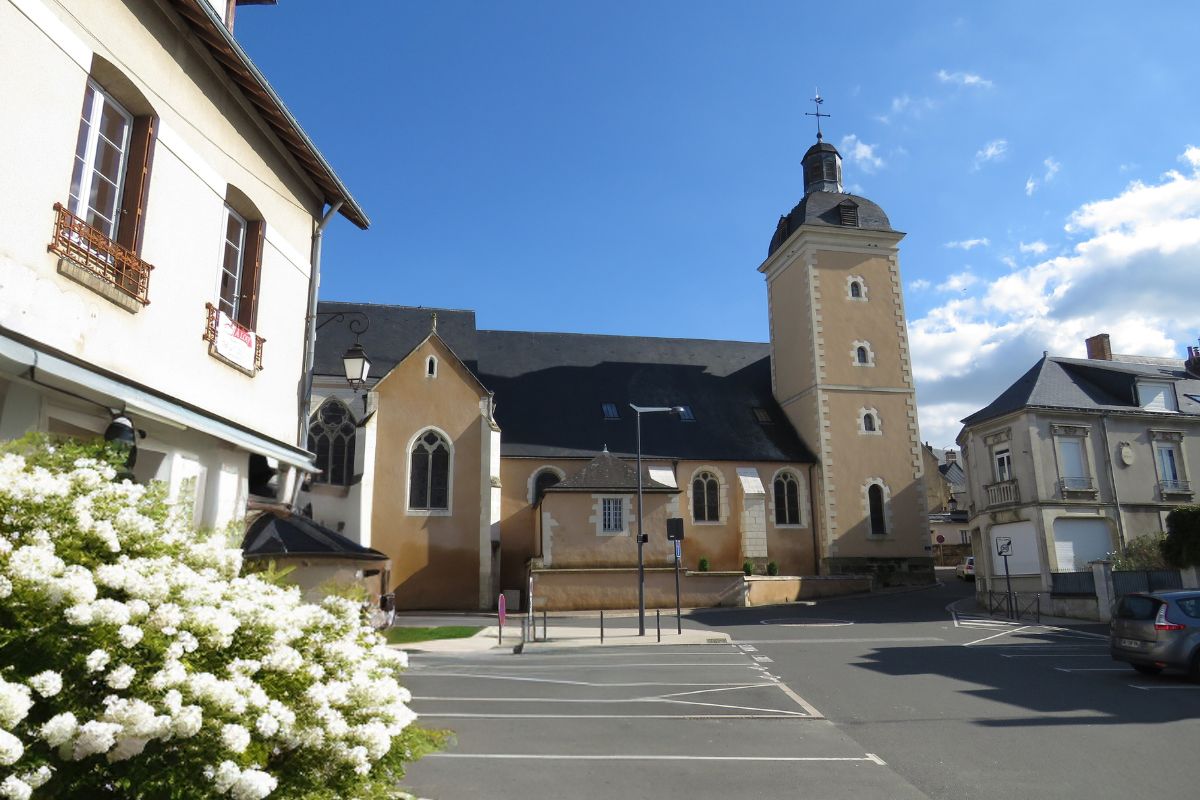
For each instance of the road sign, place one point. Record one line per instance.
(674, 528)
(1004, 545)
(502, 606)
(941, 539)
(678, 549)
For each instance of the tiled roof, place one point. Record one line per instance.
(607, 473)
(279, 533)
(821, 208)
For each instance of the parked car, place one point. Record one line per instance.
(1157, 630)
(966, 570)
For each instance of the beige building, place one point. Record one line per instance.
(1077, 458)
(480, 458)
(157, 258)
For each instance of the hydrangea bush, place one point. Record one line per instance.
(137, 661)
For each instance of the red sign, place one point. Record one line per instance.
(940, 539)
(502, 607)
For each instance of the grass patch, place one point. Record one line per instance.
(410, 635)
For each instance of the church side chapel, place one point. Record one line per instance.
(478, 458)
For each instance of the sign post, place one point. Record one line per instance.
(675, 534)
(501, 608)
(1004, 548)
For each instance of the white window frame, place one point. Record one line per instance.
(873, 413)
(719, 477)
(80, 205)
(1002, 464)
(865, 345)
(1176, 458)
(598, 509)
(1079, 438)
(801, 500)
(232, 312)
(431, 367)
(862, 288)
(1148, 391)
(429, 512)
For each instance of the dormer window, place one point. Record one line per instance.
(686, 415)
(1157, 396)
(609, 410)
(848, 213)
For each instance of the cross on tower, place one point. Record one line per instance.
(818, 100)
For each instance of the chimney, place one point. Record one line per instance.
(1099, 348)
(1193, 361)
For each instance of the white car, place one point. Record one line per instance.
(966, 570)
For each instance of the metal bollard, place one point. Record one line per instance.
(545, 636)
(658, 623)
(602, 626)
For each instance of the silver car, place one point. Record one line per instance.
(1157, 631)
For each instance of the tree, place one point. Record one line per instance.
(1181, 548)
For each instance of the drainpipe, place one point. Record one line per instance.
(812, 520)
(310, 327)
(1112, 479)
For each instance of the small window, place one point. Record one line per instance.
(1003, 463)
(787, 499)
(686, 414)
(431, 367)
(848, 213)
(706, 498)
(862, 355)
(855, 289)
(869, 423)
(612, 514)
(610, 411)
(762, 416)
(875, 500)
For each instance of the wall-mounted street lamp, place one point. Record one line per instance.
(641, 538)
(354, 361)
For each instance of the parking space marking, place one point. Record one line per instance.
(1054, 655)
(994, 636)
(1163, 687)
(868, 757)
(1091, 669)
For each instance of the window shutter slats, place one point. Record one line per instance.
(137, 184)
(251, 270)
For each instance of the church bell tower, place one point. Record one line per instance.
(841, 372)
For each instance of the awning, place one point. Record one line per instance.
(17, 357)
(279, 533)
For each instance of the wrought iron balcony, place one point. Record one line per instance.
(91, 250)
(1175, 488)
(1004, 493)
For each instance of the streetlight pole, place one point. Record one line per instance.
(641, 538)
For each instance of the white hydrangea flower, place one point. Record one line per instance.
(235, 738)
(11, 748)
(6, 586)
(126, 748)
(35, 564)
(15, 703)
(224, 776)
(253, 784)
(38, 777)
(187, 722)
(47, 683)
(97, 660)
(60, 729)
(94, 737)
(129, 635)
(121, 677)
(13, 788)
(266, 725)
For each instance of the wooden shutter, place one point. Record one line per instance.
(251, 270)
(137, 184)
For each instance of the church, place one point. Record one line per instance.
(484, 461)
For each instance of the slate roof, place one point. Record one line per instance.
(1090, 385)
(821, 208)
(276, 533)
(607, 473)
(549, 387)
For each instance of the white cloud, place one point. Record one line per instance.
(1121, 277)
(860, 154)
(958, 282)
(1052, 168)
(963, 79)
(919, 285)
(992, 151)
(1030, 186)
(967, 244)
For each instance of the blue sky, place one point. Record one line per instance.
(620, 167)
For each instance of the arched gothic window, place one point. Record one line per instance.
(706, 498)
(331, 434)
(875, 500)
(787, 499)
(862, 354)
(855, 289)
(544, 480)
(869, 422)
(431, 367)
(429, 474)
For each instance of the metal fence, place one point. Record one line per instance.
(1017, 605)
(1073, 582)
(1126, 581)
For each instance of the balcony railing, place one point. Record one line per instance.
(239, 347)
(83, 245)
(1076, 485)
(1175, 487)
(1004, 493)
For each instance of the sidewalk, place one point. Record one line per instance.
(564, 637)
(969, 605)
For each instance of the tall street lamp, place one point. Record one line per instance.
(641, 537)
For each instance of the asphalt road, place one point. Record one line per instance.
(891, 696)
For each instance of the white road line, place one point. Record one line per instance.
(1054, 655)
(711, 691)
(869, 757)
(764, 659)
(1091, 669)
(798, 700)
(563, 682)
(848, 640)
(655, 664)
(738, 708)
(1163, 688)
(598, 700)
(780, 715)
(995, 636)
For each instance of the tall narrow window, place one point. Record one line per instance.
(331, 434)
(429, 474)
(101, 160)
(869, 422)
(787, 499)
(233, 257)
(1072, 469)
(241, 264)
(862, 355)
(855, 289)
(1168, 464)
(875, 500)
(613, 514)
(431, 367)
(1003, 462)
(706, 498)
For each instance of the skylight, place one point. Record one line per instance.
(609, 410)
(763, 416)
(685, 414)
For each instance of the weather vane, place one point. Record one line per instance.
(818, 100)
